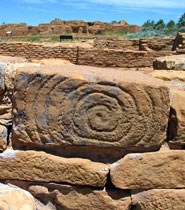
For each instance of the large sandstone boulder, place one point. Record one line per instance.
(174, 62)
(14, 198)
(159, 199)
(164, 169)
(40, 166)
(76, 105)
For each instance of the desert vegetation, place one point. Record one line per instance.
(159, 29)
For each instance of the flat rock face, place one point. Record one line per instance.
(14, 198)
(8, 66)
(174, 62)
(169, 75)
(89, 199)
(164, 169)
(40, 166)
(2, 77)
(76, 105)
(159, 199)
(3, 138)
(176, 125)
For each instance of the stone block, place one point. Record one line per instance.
(176, 125)
(14, 198)
(159, 199)
(174, 62)
(78, 105)
(40, 166)
(163, 169)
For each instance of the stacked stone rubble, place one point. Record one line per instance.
(55, 108)
(179, 43)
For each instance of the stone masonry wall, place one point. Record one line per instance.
(118, 58)
(83, 56)
(96, 112)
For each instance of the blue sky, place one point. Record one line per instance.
(34, 12)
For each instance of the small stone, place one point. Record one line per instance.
(3, 138)
(15, 198)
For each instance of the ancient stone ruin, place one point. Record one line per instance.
(74, 27)
(75, 137)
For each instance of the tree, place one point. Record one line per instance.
(160, 24)
(181, 21)
(170, 24)
(149, 23)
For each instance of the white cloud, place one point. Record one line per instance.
(171, 4)
(35, 9)
(38, 1)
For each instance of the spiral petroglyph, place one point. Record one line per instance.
(65, 108)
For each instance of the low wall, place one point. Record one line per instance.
(83, 56)
(118, 58)
(117, 44)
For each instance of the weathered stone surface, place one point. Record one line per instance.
(76, 105)
(14, 198)
(89, 199)
(176, 125)
(40, 166)
(68, 197)
(164, 169)
(167, 75)
(2, 77)
(159, 199)
(8, 68)
(174, 62)
(3, 138)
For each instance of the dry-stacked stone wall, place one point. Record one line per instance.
(126, 55)
(92, 111)
(157, 44)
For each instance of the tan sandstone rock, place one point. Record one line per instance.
(40, 166)
(174, 62)
(78, 105)
(3, 138)
(164, 169)
(14, 198)
(8, 66)
(2, 79)
(67, 197)
(176, 125)
(92, 199)
(169, 75)
(159, 199)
